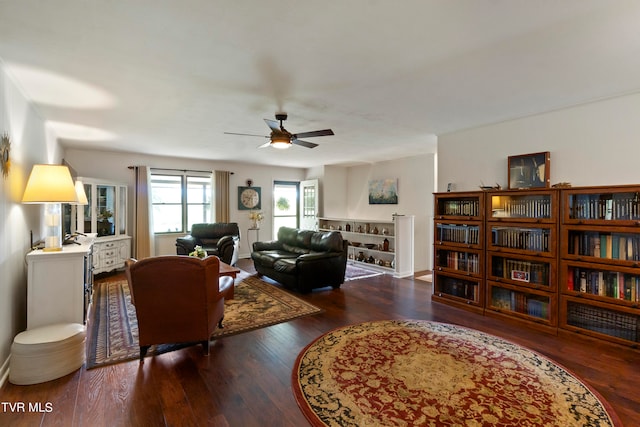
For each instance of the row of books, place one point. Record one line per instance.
(618, 207)
(458, 288)
(539, 207)
(461, 207)
(524, 271)
(611, 246)
(610, 284)
(506, 299)
(531, 239)
(461, 261)
(458, 233)
(609, 322)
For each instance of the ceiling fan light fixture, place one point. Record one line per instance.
(280, 142)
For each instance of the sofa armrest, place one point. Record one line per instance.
(267, 246)
(226, 249)
(185, 245)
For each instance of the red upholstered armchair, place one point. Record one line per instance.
(178, 299)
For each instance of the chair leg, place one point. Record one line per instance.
(143, 352)
(205, 347)
(220, 325)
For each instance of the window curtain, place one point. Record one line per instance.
(143, 214)
(222, 213)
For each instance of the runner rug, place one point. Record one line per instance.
(411, 372)
(113, 328)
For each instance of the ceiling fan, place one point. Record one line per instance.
(282, 138)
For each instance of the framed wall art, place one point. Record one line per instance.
(383, 191)
(529, 171)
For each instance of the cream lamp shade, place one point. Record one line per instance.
(82, 196)
(51, 185)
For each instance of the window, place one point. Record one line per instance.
(285, 209)
(180, 200)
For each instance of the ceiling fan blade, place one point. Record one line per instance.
(303, 143)
(273, 124)
(246, 134)
(325, 132)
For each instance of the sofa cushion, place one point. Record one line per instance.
(326, 242)
(287, 265)
(269, 258)
(209, 243)
(294, 237)
(295, 249)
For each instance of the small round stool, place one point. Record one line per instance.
(46, 353)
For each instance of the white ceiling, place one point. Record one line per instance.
(170, 77)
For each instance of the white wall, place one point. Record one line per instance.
(113, 166)
(592, 144)
(346, 195)
(30, 144)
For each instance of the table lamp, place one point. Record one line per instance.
(51, 185)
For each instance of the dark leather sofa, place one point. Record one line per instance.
(302, 259)
(221, 239)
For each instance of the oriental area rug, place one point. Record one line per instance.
(354, 272)
(412, 372)
(113, 327)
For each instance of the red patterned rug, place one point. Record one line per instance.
(412, 372)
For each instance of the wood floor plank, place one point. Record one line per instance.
(245, 381)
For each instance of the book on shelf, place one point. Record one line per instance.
(610, 284)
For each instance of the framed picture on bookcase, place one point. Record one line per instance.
(529, 171)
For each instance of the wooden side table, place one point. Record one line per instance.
(229, 270)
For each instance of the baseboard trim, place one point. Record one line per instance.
(4, 371)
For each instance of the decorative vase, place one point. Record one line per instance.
(256, 224)
(385, 245)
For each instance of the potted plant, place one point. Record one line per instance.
(256, 217)
(105, 226)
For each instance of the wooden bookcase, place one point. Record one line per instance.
(563, 261)
(458, 276)
(600, 262)
(521, 254)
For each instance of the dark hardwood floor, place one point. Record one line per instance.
(246, 380)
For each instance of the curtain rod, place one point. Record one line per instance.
(177, 170)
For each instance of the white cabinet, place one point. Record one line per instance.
(105, 215)
(59, 285)
(110, 253)
(383, 245)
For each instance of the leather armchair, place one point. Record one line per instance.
(178, 299)
(221, 239)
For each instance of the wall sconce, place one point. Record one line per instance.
(51, 185)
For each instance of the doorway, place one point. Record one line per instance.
(285, 205)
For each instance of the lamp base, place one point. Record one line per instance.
(51, 249)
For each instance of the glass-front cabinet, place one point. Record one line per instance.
(521, 251)
(600, 263)
(106, 216)
(458, 272)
